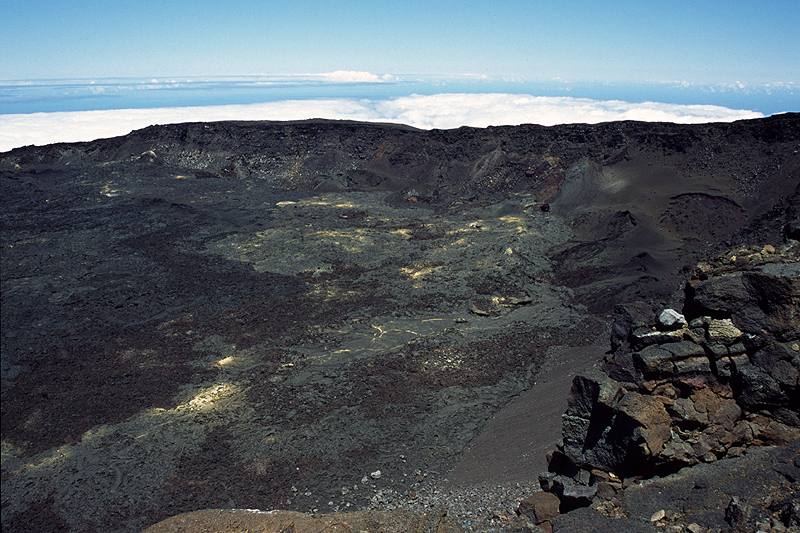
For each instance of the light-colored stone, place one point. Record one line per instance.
(723, 331)
(658, 515)
(670, 318)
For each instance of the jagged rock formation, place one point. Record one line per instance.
(681, 389)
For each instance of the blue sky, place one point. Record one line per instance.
(544, 62)
(691, 41)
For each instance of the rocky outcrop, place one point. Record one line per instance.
(686, 388)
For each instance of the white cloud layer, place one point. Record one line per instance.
(442, 111)
(350, 76)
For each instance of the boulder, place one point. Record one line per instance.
(687, 416)
(572, 494)
(590, 413)
(718, 295)
(697, 366)
(622, 367)
(654, 361)
(702, 492)
(684, 349)
(539, 507)
(767, 298)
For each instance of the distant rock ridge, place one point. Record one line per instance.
(329, 155)
(683, 388)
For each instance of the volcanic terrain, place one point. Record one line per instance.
(326, 316)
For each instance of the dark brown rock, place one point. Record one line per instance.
(687, 414)
(774, 432)
(725, 414)
(539, 507)
(607, 491)
(650, 414)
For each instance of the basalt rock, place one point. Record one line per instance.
(688, 388)
(763, 298)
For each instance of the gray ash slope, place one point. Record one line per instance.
(260, 314)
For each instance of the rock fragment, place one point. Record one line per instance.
(671, 319)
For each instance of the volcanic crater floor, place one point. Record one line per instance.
(334, 352)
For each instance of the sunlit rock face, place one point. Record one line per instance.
(261, 315)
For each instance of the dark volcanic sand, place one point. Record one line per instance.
(264, 316)
(512, 447)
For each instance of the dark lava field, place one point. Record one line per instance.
(326, 316)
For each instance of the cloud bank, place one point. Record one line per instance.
(350, 76)
(441, 111)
